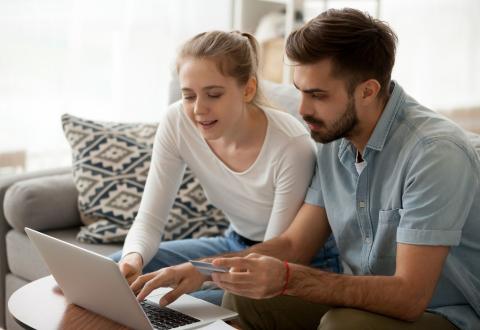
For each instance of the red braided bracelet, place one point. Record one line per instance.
(287, 276)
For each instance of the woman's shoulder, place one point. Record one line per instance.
(285, 123)
(172, 115)
(174, 110)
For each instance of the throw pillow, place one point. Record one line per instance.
(110, 167)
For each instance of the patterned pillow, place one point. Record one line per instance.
(110, 167)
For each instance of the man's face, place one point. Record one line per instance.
(326, 106)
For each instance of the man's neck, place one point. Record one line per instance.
(368, 119)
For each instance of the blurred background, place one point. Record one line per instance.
(112, 60)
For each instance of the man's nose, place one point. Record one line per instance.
(305, 108)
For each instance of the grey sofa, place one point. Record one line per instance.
(44, 201)
(47, 201)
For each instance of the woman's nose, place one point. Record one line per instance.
(199, 107)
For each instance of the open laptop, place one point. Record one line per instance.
(94, 282)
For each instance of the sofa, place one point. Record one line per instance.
(47, 201)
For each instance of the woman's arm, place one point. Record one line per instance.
(164, 178)
(293, 173)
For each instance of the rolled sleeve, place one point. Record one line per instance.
(429, 237)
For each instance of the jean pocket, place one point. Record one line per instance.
(382, 257)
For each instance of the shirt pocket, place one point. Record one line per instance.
(382, 259)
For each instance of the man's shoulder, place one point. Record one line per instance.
(423, 128)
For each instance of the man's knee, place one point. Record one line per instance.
(343, 319)
(243, 306)
(282, 312)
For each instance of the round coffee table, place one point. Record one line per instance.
(41, 305)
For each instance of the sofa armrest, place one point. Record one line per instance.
(5, 183)
(42, 203)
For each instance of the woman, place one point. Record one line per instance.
(254, 162)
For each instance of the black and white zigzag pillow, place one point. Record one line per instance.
(110, 167)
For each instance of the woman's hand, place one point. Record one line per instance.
(254, 276)
(131, 266)
(183, 278)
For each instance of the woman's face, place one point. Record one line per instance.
(214, 102)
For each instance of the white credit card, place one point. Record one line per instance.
(207, 268)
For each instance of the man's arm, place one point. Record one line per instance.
(404, 295)
(299, 243)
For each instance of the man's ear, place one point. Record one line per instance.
(250, 90)
(368, 91)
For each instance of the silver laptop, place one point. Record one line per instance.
(94, 282)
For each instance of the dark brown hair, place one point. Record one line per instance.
(235, 54)
(359, 46)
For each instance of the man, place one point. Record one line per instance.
(396, 184)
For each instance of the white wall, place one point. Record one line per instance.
(106, 60)
(110, 59)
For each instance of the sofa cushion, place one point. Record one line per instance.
(110, 167)
(42, 203)
(282, 96)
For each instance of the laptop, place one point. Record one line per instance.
(95, 282)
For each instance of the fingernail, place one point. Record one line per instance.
(163, 302)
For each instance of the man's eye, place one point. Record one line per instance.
(317, 96)
(214, 96)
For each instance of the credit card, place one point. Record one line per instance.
(207, 268)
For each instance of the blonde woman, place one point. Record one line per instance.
(254, 163)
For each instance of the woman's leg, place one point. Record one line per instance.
(327, 257)
(172, 253)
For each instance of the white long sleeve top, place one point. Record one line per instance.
(260, 202)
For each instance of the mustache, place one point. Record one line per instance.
(313, 120)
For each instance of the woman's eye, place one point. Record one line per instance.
(188, 97)
(215, 96)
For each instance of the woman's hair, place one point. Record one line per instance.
(359, 46)
(236, 55)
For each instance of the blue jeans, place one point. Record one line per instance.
(172, 253)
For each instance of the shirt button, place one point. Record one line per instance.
(361, 204)
(368, 240)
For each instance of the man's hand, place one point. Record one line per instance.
(131, 266)
(255, 276)
(183, 278)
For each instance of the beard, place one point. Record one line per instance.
(341, 128)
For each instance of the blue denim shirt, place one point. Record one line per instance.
(421, 185)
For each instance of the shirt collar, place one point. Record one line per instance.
(384, 124)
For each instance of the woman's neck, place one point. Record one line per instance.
(248, 130)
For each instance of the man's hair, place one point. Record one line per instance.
(359, 46)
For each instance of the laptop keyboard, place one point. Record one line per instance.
(164, 317)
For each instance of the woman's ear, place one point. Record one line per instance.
(250, 90)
